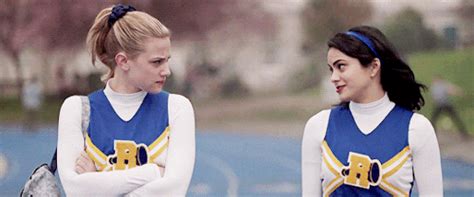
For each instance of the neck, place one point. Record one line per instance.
(120, 85)
(371, 107)
(372, 93)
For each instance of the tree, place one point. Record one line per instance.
(20, 24)
(68, 23)
(323, 18)
(193, 19)
(62, 25)
(43, 24)
(409, 33)
(465, 12)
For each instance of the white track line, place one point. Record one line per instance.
(226, 170)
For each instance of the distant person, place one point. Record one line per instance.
(32, 96)
(190, 79)
(372, 143)
(140, 140)
(441, 90)
(63, 87)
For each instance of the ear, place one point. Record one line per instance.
(375, 67)
(121, 59)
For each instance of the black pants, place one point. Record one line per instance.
(448, 110)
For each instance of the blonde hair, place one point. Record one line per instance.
(127, 34)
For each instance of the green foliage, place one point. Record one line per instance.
(454, 66)
(409, 33)
(11, 111)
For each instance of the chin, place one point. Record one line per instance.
(154, 90)
(344, 98)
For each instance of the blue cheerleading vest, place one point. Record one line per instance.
(376, 164)
(115, 144)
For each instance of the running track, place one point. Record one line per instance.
(226, 164)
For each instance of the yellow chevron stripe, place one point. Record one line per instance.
(95, 149)
(382, 186)
(391, 172)
(393, 187)
(96, 161)
(331, 155)
(157, 141)
(331, 184)
(108, 169)
(91, 147)
(326, 194)
(395, 158)
(154, 156)
(334, 171)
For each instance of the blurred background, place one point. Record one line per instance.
(255, 71)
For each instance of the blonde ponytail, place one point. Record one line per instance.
(127, 34)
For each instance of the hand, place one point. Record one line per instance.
(85, 164)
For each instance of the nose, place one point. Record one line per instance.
(335, 77)
(166, 72)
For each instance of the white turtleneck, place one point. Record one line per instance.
(143, 180)
(421, 139)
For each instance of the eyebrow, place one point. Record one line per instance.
(160, 58)
(337, 61)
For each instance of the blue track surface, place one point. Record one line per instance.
(226, 164)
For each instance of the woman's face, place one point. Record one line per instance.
(353, 81)
(150, 68)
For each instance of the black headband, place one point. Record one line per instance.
(118, 12)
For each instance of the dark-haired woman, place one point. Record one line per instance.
(140, 140)
(372, 143)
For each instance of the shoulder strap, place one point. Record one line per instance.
(84, 126)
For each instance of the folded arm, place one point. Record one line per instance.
(181, 153)
(70, 146)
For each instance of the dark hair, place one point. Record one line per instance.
(397, 78)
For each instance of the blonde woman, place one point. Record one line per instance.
(140, 140)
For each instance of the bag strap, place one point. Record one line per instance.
(85, 115)
(53, 166)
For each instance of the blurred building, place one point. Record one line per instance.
(440, 15)
(263, 55)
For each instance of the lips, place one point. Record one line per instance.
(339, 88)
(161, 82)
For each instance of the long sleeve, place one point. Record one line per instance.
(70, 146)
(313, 136)
(181, 153)
(426, 157)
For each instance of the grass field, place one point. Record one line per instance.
(456, 67)
(11, 111)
